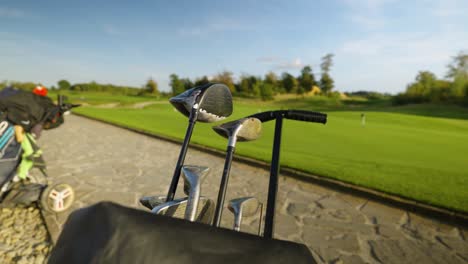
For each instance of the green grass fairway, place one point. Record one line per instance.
(99, 98)
(404, 153)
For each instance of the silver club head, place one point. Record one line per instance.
(244, 129)
(213, 102)
(243, 207)
(177, 208)
(193, 177)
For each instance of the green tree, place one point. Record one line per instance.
(64, 85)
(188, 84)
(255, 85)
(458, 66)
(201, 81)
(226, 78)
(327, 62)
(458, 87)
(272, 80)
(244, 85)
(326, 83)
(307, 79)
(176, 84)
(289, 82)
(151, 87)
(266, 91)
(426, 81)
(300, 90)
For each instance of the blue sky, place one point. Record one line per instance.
(378, 44)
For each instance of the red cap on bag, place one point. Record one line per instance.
(40, 90)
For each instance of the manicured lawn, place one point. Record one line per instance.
(99, 98)
(403, 152)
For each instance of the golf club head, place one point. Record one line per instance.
(214, 102)
(193, 177)
(177, 208)
(152, 201)
(244, 129)
(192, 174)
(243, 207)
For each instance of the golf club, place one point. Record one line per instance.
(193, 177)
(207, 103)
(152, 201)
(245, 129)
(178, 207)
(244, 207)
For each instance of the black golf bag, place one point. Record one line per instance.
(24, 113)
(110, 233)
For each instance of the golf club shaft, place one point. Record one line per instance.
(223, 186)
(180, 161)
(273, 185)
(192, 202)
(237, 221)
(260, 220)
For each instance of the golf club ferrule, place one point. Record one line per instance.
(233, 140)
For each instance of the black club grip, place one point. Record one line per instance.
(308, 116)
(265, 116)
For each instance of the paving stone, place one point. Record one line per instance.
(406, 251)
(390, 231)
(299, 195)
(318, 238)
(383, 213)
(298, 209)
(339, 226)
(285, 225)
(457, 244)
(352, 259)
(17, 240)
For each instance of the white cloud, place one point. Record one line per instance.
(6, 12)
(387, 62)
(408, 47)
(268, 59)
(281, 63)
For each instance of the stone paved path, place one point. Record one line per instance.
(103, 162)
(23, 236)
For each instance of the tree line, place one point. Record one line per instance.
(428, 88)
(265, 87)
(246, 85)
(150, 88)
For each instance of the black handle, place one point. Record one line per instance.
(308, 116)
(67, 107)
(265, 116)
(299, 115)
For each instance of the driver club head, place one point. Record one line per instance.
(243, 207)
(213, 101)
(244, 129)
(193, 177)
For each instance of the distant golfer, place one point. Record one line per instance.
(363, 119)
